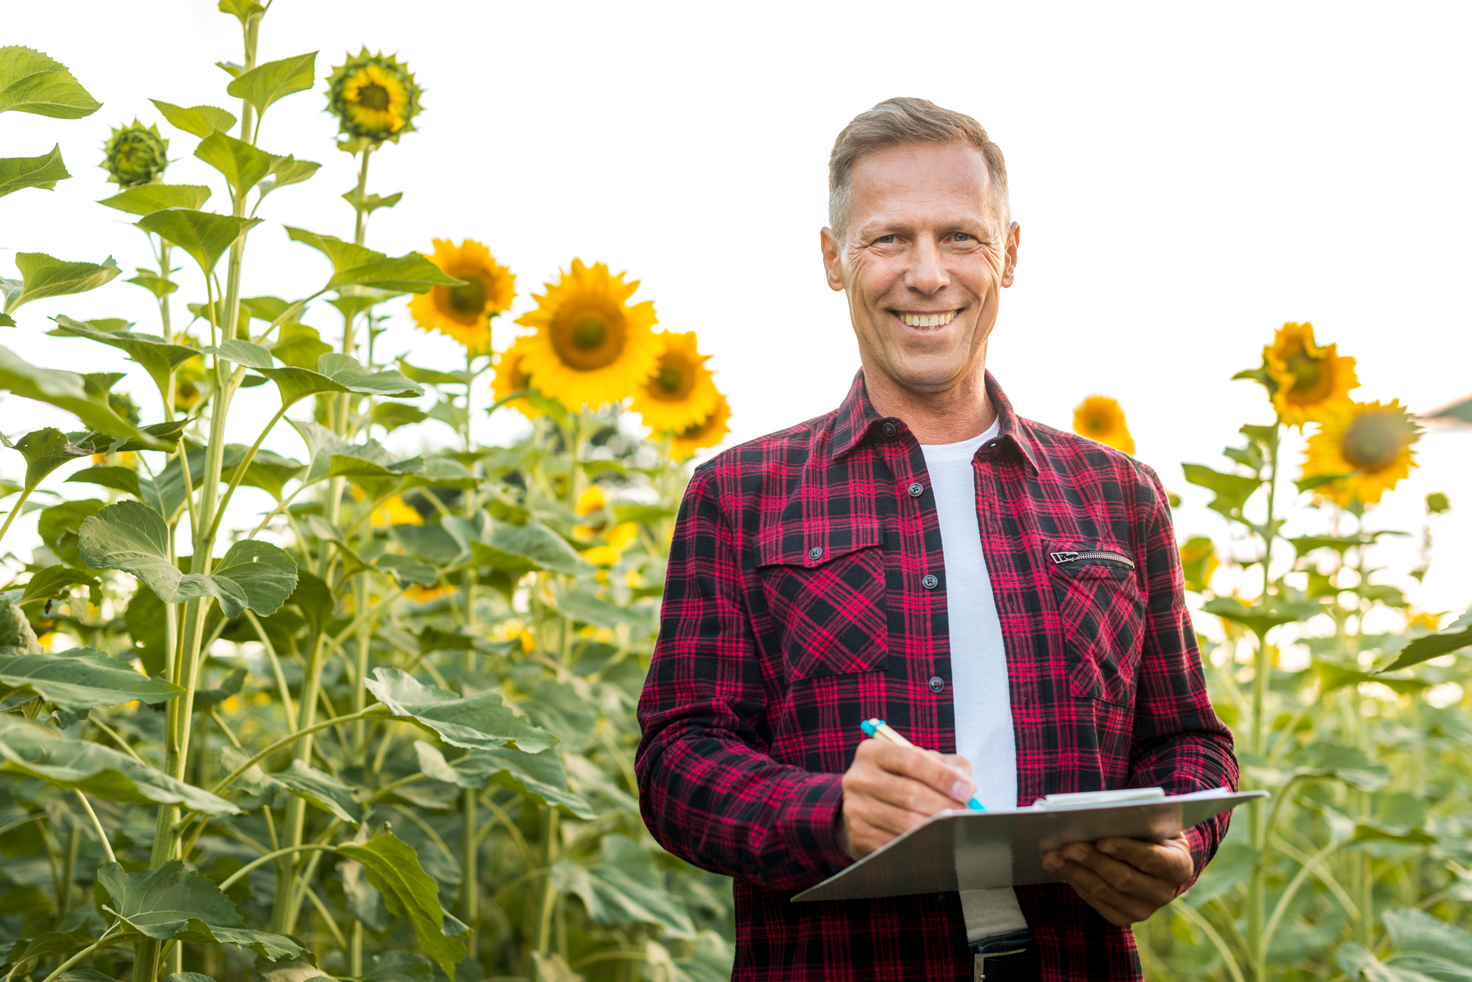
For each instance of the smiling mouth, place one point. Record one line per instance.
(926, 321)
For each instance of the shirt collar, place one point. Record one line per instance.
(856, 416)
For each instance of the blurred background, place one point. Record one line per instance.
(1187, 178)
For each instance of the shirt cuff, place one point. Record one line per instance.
(816, 805)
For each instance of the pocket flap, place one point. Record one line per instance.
(813, 545)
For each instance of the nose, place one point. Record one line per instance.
(927, 272)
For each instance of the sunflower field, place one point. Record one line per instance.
(381, 729)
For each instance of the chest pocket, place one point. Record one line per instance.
(825, 590)
(1103, 616)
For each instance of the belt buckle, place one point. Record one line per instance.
(980, 962)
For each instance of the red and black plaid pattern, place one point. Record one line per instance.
(806, 592)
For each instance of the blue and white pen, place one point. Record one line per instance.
(877, 729)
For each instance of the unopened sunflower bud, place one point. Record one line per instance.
(374, 99)
(135, 154)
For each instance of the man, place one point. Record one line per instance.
(990, 586)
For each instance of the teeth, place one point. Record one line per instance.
(928, 320)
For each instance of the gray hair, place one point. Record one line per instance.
(898, 122)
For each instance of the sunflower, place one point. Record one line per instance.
(591, 346)
(681, 392)
(512, 377)
(1367, 445)
(396, 511)
(374, 99)
(707, 433)
(1307, 381)
(135, 155)
(1100, 418)
(464, 312)
(1198, 562)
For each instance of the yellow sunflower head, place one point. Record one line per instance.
(374, 99)
(708, 432)
(1198, 562)
(465, 312)
(1368, 444)
(1307, 381)
(511, 377)
(591, 345)
(681, 392)
(1100, 418)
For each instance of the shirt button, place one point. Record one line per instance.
(816, 552)
(930, 581)
(943, 899)
(889, 429)
(916, 490)
(937, 684)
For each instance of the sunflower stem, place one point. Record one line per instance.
(360, 228)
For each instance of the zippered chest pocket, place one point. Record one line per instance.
(826, 592)
(1103, 619)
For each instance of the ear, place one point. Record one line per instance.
(1009, 268)
(831, 263)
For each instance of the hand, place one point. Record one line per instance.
(1125, 880)
(890, 789)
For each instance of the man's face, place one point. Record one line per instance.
(923, 262)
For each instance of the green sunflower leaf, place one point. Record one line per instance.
(69, 391)
(49, 583)
(159, 286)
(337, 373)
(44, 276)
(355, 265)
(198, 120)
(203, 235)
(38, 751)
(244, 10)
(288, 170)
(1453, 637)
(132, 537)
(611, 896)
(522, 548)
(42, 172)
(1232, 490)
(79, 679)
(246, 353)
(145, 199)
(243, 165)
(30, 82)
(1260, 619)
(44, 451)
(299, 346)
(478, 722)
(393, 868)
(322, 791)
(171, 902)
(157, 357)
(540, 776)
(274, 80)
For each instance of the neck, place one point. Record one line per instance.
(960, 412)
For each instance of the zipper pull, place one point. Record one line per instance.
(1059, 558)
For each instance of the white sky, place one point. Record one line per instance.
(1187, 178)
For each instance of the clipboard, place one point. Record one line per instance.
(970, 850)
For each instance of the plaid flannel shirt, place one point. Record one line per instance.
(806, 592)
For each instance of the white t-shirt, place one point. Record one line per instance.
(979, 686)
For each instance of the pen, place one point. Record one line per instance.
(879, 730)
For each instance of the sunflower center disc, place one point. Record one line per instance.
(589, 333)
(373, 96)
(1370, 444)
(1308, 374)
(469, 300)
(669, 380)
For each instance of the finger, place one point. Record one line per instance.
(958, 762)
(897, 790)
(1123, 879)
(921, 765)
(1169, 860)
(1117, 908)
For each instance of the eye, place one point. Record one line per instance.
(964, 237)
(889, 239)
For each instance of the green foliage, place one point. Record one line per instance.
(30, 82)
(42, 276)
(32, 172)
(1357, 867)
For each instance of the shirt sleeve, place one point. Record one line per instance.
(1179, 743)
(708, 790)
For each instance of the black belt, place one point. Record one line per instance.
(1006, 958)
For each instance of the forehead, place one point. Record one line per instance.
(921, 180)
